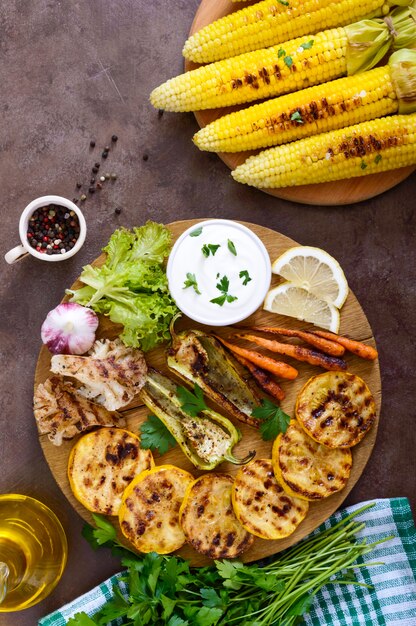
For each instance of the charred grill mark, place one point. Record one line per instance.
(102, 369)
(230, 539)
(116, 455)
(365, 145)
(325, 360)
(216, 540)
(199, 361)
(264, 75)
(236, 83)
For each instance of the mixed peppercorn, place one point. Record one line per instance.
(96, 183)
(53, 229)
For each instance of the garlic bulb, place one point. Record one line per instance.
(69, 329)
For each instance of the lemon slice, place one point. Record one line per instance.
(316, 271)
(287, 299)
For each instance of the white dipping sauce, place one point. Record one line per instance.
(209, 271)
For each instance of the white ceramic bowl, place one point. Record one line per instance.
(17, 253)
(249, 264)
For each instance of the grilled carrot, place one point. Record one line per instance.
(263, 379)
(283, 370)
(325, 345)
(297, 352)
(356, 347)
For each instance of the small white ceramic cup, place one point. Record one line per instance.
(19, 252)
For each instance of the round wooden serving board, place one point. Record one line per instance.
(333, 193)
(353, 323)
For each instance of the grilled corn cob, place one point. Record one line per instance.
(367, 148)
(297, 64)
(272, 21)
(336, 104)
(257, 75)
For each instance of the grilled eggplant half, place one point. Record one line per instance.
(200, 358)
(206, 439)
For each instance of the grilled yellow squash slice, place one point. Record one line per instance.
(149, 514)
(261, 504)
(102, 464)
(336, 409)
(208, 519)
(307, 470)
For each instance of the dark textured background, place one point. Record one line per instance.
(73, 71)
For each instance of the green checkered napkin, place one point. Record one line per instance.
(392, 601)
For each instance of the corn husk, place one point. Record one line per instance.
(403, 75)
(370, 40)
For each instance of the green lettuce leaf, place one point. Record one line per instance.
(152, 243)
(131, 287)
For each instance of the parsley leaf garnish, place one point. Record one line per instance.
(296, 117)
(196, 232)
(245, 276)
(104, 533)
(363, 165)
(281, 53)
(231, 247)
(191, 282)
(81, 619)
(274, 419)
(191, 402)
(288, 61)
(209, 248)
(223, 286)
(307, 45)
(177, 621)
(155, 436)
(219, 300)
(377, 159)
(284, 2)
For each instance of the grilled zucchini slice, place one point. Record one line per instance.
(261, 504)
(102, 464)
(208, 519)
(336, 409)
(149, 513)
(307, 470)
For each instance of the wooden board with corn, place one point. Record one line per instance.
(287, 68)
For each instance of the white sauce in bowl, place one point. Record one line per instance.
(239, 282)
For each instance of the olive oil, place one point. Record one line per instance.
(33, 546)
